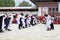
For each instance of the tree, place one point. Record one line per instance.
(7, 3)
(24, 4)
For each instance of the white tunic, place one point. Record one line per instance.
(35, 19)
(23, 21)
(48, 21)
(28, 21)
(18, 18)
(52, 19)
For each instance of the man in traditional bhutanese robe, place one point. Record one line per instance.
(8, 20)
(22, 21)
(32, 20)
(48, 21)
(27, 20)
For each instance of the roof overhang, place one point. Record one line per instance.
(17, 7)
(45, 0)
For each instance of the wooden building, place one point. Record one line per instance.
(47, 6)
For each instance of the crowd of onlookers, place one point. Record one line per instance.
(55, 21)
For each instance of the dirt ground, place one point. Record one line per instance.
(37, 32)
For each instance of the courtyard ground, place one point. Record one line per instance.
(37, 32)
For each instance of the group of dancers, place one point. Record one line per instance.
(23, 21)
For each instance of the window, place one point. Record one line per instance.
(56, 9)
(49, 9)
(53, 9)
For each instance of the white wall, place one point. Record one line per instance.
(42, 11)
(59, 7)
(39, 11)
